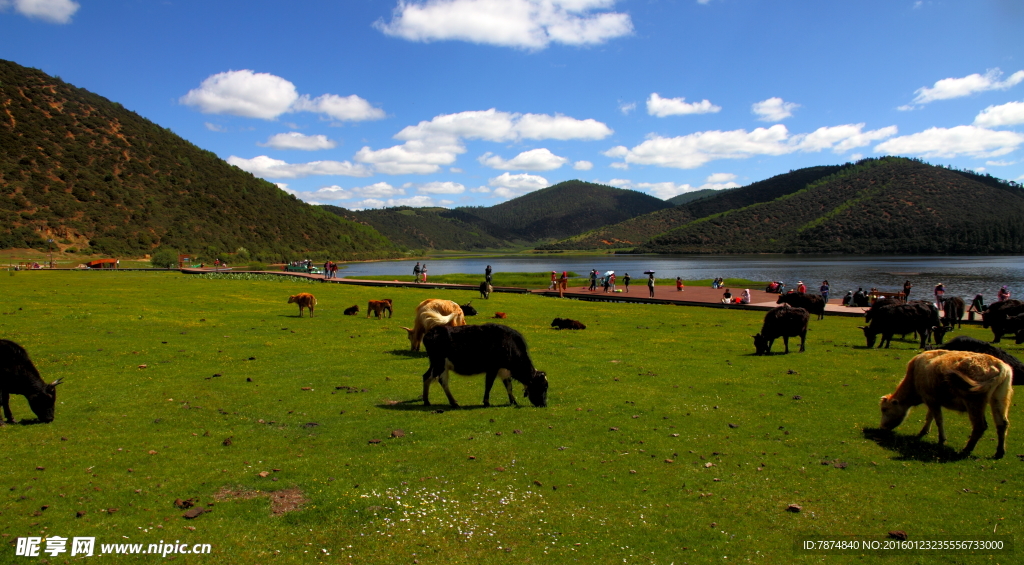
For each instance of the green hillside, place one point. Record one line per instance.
(425, 228)
(887, 205)
(693, 195)
(94, 176)
(566, 209)
(640, 229)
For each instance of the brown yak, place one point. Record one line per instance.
(433, 312)
(304, 300)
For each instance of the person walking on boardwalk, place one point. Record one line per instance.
(563, 284)
(423, 272)
(679, 284)
(625, 281)
(825, 288)
(554, 281)
(906, 290)
(593, 280)
(650, 284)
(416, 272)
(487, 274)
(611, 281)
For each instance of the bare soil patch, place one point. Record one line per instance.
(281, 501)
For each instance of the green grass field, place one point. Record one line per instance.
(665, 439)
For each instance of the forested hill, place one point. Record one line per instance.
(424, 228)
(92, 175)
(888, 205)
(640, 229)
(566, 209)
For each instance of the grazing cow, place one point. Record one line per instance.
(485, 290)
(878, 305)
(813, 303)
(959, 380)
(492, 349)
(965, 343)
(433, 312)
(1015, 325)
(500, 315)
(953, 311)
(996, 316)
(19, 376)
(468, 309)
(785, 322)
(304, 300)
(919, 317)
(567, 324)
(378, 307)
(352, 310)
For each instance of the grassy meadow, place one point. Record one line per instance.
(665, 439)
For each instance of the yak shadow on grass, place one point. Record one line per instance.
(910, 448)
(407, 353)
(416, 405)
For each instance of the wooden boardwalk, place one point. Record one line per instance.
(701, 296)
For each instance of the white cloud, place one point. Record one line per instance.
(215, 127)
(841, 138)
(719, 178)
(480, 189)
(334, 192)
(296, 140)
(1000, 163)
(856, 157)
(343, 108)
(532, 160)
(508, 185)
(267, 167)
(455, 170)
(1009, 114)
(378, 190)
(524, 24)
(53, 11)
(622, 166)
(446, 187)
(773, 109)
(958, 141)
(266, 96)
(696, 149)
(284, 186)
(980, 169)
(627, 108)
(243, 93)
(429, 145)
(971, 84)
(906, 108)
(583, 165)
(661, 107)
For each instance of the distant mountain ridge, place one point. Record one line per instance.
(92, 175)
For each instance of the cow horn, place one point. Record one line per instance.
(57, 382)
(863, 327)
(406, 329)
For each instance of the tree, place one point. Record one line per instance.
(164, 258)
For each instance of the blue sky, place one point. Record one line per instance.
(369, 103)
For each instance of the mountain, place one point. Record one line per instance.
(693, 195)
(92, 175)
(554, 212)
(886, 206)
(640, 229)
(425, 228)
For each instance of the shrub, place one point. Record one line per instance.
(164, 258)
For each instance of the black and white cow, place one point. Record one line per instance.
(492, 349)
(19, 376)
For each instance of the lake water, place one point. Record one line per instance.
(962, 276)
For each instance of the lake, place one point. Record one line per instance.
(962, 276)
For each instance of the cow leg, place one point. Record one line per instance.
(5, 399)
(428, 378)
(785, 340)
(444, 384)
(310, 310)
(506, 378)
(1000, 407)
(803, 337)
(936, 413)
(924, 338)
(978, 426)
(927, 425)
(488, 383)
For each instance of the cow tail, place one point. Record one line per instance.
(960, 381)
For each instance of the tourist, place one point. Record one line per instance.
(625, 281)
(554, 281)
(416, 272)
(906, 290)
(1003, 294)
(848, 299)
(940, 291)
(801, 287)
(487, 274)
(745, 296)
(977, 305)
(423, 272)
(563, 284)
(727, 296)
(650, 284)
(611, 281)
(605, 281)
(679, 284)
(824, 290)
(334, 270)
(593, 280)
